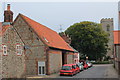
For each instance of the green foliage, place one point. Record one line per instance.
(89, 39)
(107, 58)
(61, 33)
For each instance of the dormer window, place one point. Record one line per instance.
(4, 50)
(19, 49)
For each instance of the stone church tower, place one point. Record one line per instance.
(107, 25)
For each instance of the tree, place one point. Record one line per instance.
(89, 39)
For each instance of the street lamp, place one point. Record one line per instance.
(86, 57)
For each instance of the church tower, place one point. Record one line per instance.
(107, 26)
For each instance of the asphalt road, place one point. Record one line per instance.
(97, 71)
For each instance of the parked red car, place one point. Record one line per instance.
(84, 64)
(69, 69)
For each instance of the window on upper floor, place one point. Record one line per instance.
(4, 50)
(108, 27)
(19, 49)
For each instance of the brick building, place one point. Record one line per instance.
(117, 50)
(117, 43)
(30, 48)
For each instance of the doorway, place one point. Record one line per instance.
(41, 68)
(64, 58)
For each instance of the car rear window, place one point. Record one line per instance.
(66, 67)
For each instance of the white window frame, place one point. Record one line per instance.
(41, 64)
(19, 49)
(5, 50)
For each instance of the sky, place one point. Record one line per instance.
(56, 14)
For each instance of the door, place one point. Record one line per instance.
(64, 58)
(41, 68)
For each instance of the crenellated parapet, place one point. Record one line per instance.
(106, 20)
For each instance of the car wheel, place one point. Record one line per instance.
(60, 74)
(72, 75)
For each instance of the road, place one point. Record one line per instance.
(97, 71)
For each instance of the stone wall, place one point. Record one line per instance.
(34, 47)
(55, 61)
(118, 52)
(70, 59)
(0, 56)
(117, 58)
(116, 65)
(12, 64)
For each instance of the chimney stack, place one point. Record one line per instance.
(8, 14)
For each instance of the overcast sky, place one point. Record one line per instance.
(54, 14)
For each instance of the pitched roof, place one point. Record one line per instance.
(48, 36)
(117, 37)
(3, 28)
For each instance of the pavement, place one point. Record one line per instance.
(109, 72)
(45, 76)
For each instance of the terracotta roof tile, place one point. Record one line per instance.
(117, 37)
(50, 37)
(3, 28)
